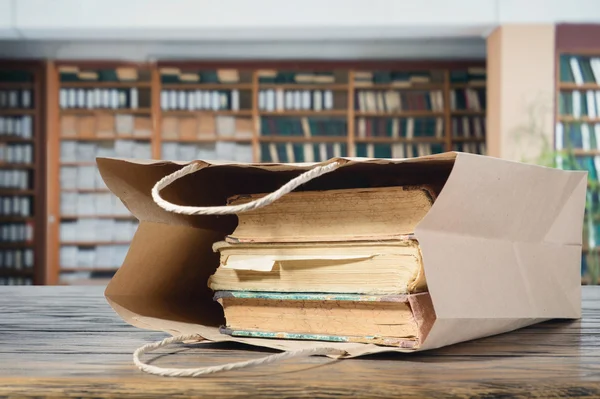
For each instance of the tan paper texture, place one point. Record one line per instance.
(501, 245)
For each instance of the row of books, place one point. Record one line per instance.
(16, 153)
(302, 77)
(16, 281)
(206, 126)
(72, 73)
(397, 150)
(468, 126)
(16, 232)
(473, 148)
(86, 231)
(472, 75)
(16, 126)
(77, 151)
(577, 135)
(15, 206)
(192, 100)
(298, 152)
(281, 100)
(579, 104)
(467, 99)
(172, 75)
(579, 69)
(400, 127)
(393, 101)
(239, 152)
(80, 178)
(100, 98)
(306, 127)
(15, 76)
(105, 125)
(102, 256)
(15, 179)
(11, 99)
(91, 204)
(393, 78)
(16, 259)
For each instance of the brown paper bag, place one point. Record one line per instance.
(501, 245)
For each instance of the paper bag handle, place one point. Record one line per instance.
(197, 372)
(233, 209)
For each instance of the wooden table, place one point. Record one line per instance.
(66, 341)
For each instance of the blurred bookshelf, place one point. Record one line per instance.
(243, 112)
(98, 110)
(22, 177)
(577, 139)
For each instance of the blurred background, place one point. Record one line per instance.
(273, 81)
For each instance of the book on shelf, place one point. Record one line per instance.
(301, 152)
(225, 151)
(173, 75)
(473, 148)
(16, 126)
(396, 101)
(16, 99)
(16, 153)
(303, 126)
(468, 99)
(468, 127)
(399, 127)
(16, 259)
(579, 69)
(17, 232)
(368, 265)
(99, 98)
(397, 150)
(199, 100)
(272, 100)
(301, 77)
(16, 206)
(400, 79)
(475, 76)
(14, 179)
(206, 126)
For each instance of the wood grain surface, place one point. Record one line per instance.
(67, 342)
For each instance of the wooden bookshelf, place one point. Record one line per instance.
(173, 106)
(116, 110)
(27, 257)
(572, 150)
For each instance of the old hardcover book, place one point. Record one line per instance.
(397, 320)
(359, 214)
(385, 267)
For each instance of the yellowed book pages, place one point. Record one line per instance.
(87, 75)
(142, 126)
(477, 70)
(188, 128)
(353, 317)
(105, 126)
(401, 83)
(390, 267)
(68, 126)
(334, 215)
(86, 126)
(170, 128)
(207, 126)
(127, 74)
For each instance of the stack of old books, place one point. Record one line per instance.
(336, 265)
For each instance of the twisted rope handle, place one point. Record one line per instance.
(197, 372)
(227, 210)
